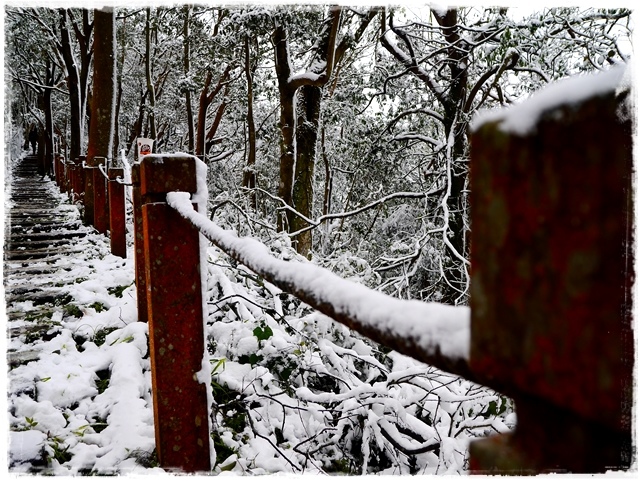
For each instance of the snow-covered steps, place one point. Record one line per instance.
(42, 234)
(37, 225)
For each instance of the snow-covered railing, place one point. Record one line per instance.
(167, 235)
(434, 333)
(552, 273)
(549, 323)
(98, 189)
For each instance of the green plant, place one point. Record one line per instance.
(147, 459)
(118, 290)
(63, 300)
(60, 452)
(263, 333)
(98, 306)
(222, 451)
(101, 334)
(71, 310)
(103, 380)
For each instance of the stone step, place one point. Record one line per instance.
(15, 359)
(17, 236)
(12, 244)
(29, 271)
(38, 297)
(25, 263)
(18, 255)
(45, 228)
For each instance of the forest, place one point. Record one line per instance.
(335, 135)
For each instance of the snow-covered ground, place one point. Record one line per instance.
(294, 392)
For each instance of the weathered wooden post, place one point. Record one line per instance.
(100, 214)
(66, 174)
(117, 227)
(175, 313)
(78, 180)
(60, 172)
(57, 169)
(68, 177)
(80, 185)
(551, 280)
(89, 195)
(72, 179)
(138, 245)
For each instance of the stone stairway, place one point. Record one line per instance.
(42, 230)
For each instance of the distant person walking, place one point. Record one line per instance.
(33, 139)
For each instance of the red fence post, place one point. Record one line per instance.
(138, 245)
(117, 228)
(79, 184)
(74, 180)
(57, 169)
(552, 214)
(100, 214)
(71, 172)
(176, 323)
(87, 174)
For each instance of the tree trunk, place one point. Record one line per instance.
(187, 68)
(452, 99)
(206, 98)
(210, 137)
(203, 105)
(50, 78)
(148, 73)
(453, 124)
(298, 148)
(328, 178)
(102, 106)
(249, 174)
(308, 110)
(86, 51)
(116, 123)
(48, 133)
(286, 125)
(73, 85)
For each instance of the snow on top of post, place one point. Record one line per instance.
(522, 118)
(436, 329)
(439, 8)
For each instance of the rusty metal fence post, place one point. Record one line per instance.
(552, 257)
(100, 214)
(117, 227)
(138, 245)
(58, 169)
(79, 184)
(87, 174)
(67, 177)
(175, 314)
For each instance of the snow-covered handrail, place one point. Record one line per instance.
(122, 181)
(434, 333)
(102, 171)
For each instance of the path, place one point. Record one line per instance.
(42, 233)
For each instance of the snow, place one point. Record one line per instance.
(434, 327)
(26, 445)
(439, 9)
(84, 404)
(522, 118)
